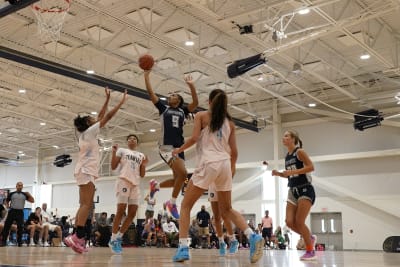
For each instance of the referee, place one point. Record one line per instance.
(16, 202)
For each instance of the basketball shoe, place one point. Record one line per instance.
(77, 244)
(182, 254)
(222, 249)
(308, 256)
(172, 209)
(115, 245)
(154, 187)
(256, 247)
(233, 246)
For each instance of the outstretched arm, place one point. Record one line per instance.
(114, 158)
(195, 101)
(153, 97)
(111, 113)
(195, 135)
(104, 108)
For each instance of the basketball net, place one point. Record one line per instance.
(50, 15)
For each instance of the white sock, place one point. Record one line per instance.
(248, 232)
(119, 234)
(173, 200)
(114, 236)
(183, 242)
(221, 239)
(232, 237)
(32, 241)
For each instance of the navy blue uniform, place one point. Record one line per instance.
(172, 122)
(299, 184)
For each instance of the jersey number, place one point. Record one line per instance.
(175, 121)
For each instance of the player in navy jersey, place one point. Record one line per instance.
(173, 118)
(301, 195)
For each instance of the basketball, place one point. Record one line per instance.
(146, 62)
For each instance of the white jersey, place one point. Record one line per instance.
(213, 147)
(89, 155)
(150, 203)
(130, 164)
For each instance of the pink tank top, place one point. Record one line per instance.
(212, 147)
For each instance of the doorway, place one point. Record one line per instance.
(328, 228)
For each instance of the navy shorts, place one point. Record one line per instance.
(301, 192)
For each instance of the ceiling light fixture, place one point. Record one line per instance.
(260, 78)
(163, 98)
(93, 112)
(42, 123)
(365, 56)
(312, 105)
(304, 11)
(20, 152)
(56, 147)
(396, 96)
(90, 72)
(22, 91)
(189, 43)
(152, 130)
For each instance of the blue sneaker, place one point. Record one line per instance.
(172, 209)
(182, 254)
(256, 247)
(115, 245)
(233, 246)
(222, 249)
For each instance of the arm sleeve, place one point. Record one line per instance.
(119, 153)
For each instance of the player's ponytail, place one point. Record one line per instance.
(297, 140)
(219, 109)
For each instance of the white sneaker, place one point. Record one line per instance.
(32, 244)
(62, 244)
(46, 244)
(40, 244)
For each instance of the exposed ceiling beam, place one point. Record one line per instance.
(8, 8)
(80, 75)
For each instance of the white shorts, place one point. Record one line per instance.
(166, 153)
(126, 192)
(218, 173)
(212, 193)
(84, 178)
(52, 227)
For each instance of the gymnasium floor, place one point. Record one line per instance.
(149, 257)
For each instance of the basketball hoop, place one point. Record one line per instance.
(50, 16)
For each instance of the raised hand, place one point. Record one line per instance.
(107, 91)
(189, 79)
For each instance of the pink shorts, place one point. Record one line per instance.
(126, 192)
(218, 173)
(84, 178)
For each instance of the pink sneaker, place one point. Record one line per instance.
(77, 244)
(309, 256)
(172, 209)
(154, 187)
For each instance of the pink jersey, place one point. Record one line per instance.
(266, 222)
(212, 147)
(130, 164)
(89, 155)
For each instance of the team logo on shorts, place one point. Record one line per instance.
(124, 189)
(212, 195)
